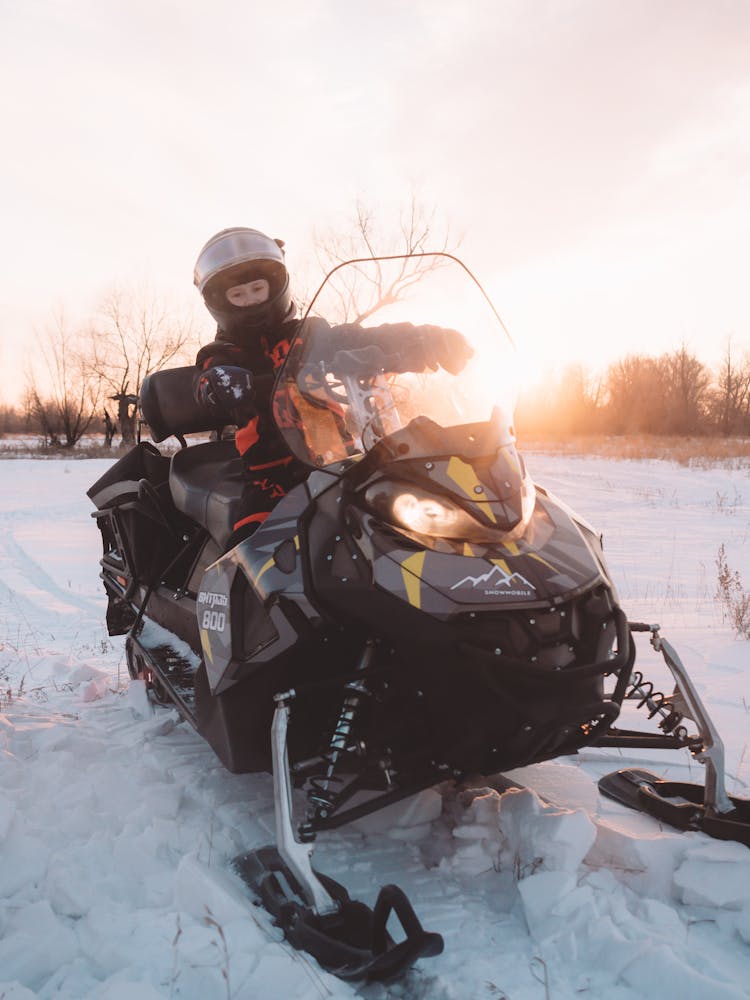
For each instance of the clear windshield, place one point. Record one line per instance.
(388, 341)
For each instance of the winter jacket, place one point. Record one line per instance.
(259, 440)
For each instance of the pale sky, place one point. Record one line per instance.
(593, 155)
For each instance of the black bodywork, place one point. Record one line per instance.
(483, 663)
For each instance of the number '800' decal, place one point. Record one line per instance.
(214, 621)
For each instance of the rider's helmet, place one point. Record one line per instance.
(239, 256)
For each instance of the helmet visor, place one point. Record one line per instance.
(231, 248)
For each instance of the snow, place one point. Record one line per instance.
(117, 822)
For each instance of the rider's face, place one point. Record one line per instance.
(251, 293)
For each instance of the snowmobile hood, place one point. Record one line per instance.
(556, 560)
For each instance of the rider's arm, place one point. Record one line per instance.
(399, 347)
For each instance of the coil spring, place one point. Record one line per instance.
(657, 703)
(320, 794)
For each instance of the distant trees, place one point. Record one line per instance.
(674, 393)
(568, 405)
(580, 399)
(664, 395)
(65, 408)
(12, 420)
(77, 372)
(134, 334)
(729, 401)
(633, 402)
(686, 392)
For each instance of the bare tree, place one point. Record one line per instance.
(361, 292)
(579, 400)
(64, 405)
(635, 397)
(730, 399)
(135, 334)
(686, 382)
(569, 403)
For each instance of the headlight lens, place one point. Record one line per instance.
(424, 513)
(428, 516)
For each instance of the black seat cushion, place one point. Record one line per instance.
(206, 482)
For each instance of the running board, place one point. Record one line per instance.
(169, 666)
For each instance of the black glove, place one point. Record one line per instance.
(430, 347)
(227, 390)
(444, 347)
(399, 347)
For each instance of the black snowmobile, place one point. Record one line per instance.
(417, 610)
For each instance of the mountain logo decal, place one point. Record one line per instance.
(498, 582)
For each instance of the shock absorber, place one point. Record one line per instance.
(657, 703)
(321, 795)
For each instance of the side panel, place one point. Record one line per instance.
(251, 605)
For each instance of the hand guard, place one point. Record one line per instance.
(227, 389)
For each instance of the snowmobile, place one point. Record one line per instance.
(415, 611)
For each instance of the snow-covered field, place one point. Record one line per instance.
(116, 821)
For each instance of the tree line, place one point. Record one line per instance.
(86, 381)
(674, 393)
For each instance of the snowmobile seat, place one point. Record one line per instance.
(169, 407)
(206, 482)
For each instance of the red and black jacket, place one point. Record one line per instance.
(259, 440)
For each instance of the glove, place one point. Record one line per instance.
(227, 390)
(399, 347)
(444, 347)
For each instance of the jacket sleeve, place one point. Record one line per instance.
(220, 352)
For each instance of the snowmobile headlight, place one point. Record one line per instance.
(427, 516)
(424, 513)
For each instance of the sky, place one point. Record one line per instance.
(590, 157)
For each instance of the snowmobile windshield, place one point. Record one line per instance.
(388, 347)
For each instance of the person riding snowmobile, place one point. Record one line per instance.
(242, 277)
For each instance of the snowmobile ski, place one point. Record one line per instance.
(684, 805)
(677, 803)
(315, 912)
(351, 940)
